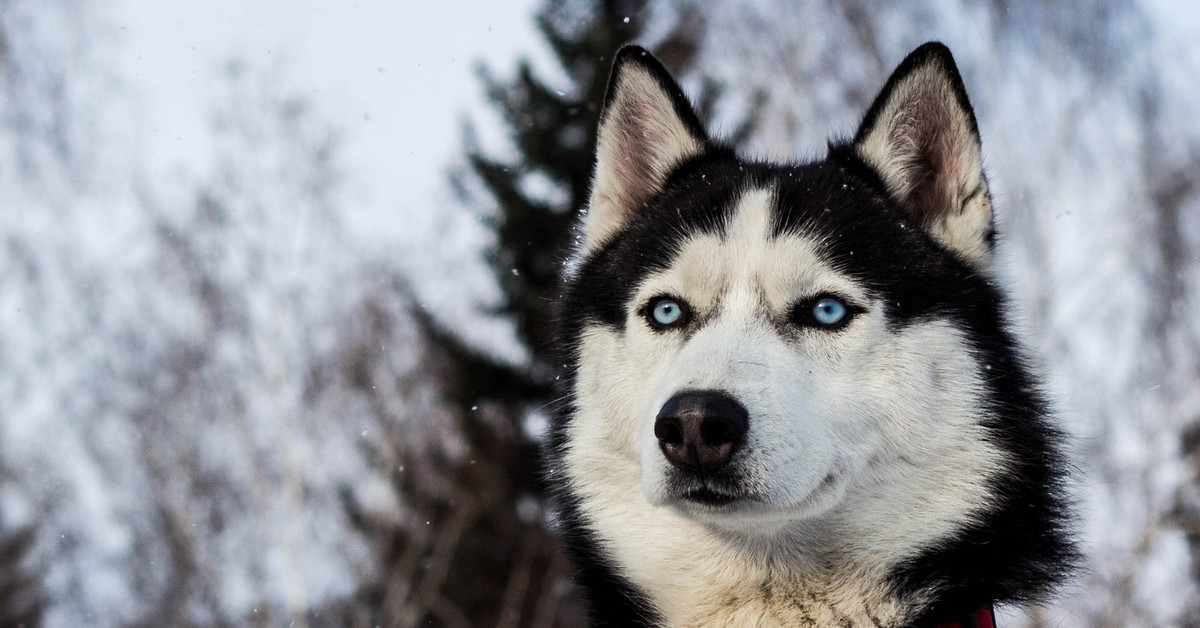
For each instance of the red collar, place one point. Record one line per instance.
(982, 618)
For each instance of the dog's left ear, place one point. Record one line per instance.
(647, 128)
(920, 136)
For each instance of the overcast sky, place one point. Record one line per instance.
(397, 77)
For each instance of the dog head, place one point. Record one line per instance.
(759, 344)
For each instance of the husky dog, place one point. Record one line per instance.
(793, 397)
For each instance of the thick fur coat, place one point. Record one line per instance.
(793, 393)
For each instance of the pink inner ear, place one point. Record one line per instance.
(635, 144)
(933, 155)
(645, 144)
(646, 128)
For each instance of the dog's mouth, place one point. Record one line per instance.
(718, 493)
(708, 497)
(732, 503)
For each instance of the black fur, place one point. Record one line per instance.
(1017, 552)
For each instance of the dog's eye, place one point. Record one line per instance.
(825, 312)
(829, 311)
(664, 312)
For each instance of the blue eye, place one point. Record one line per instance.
(666, 312)
(829, 312)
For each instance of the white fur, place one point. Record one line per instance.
(864, 444)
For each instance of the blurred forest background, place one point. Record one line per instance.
(220, 405)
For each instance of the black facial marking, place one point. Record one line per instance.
(837, 203)
(690, 204)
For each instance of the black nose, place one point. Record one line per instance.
(698, 431)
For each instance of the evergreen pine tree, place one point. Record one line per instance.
(537, 195)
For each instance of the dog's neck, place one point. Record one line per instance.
(697, 577)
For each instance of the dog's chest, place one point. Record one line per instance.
(793, 604)
(695, 580)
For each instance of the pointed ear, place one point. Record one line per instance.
(647, 127)
(920, 136)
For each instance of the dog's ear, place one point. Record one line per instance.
(647, 127)
(921, 137)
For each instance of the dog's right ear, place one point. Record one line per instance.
(647, 128)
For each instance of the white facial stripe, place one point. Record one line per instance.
(751, 224)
